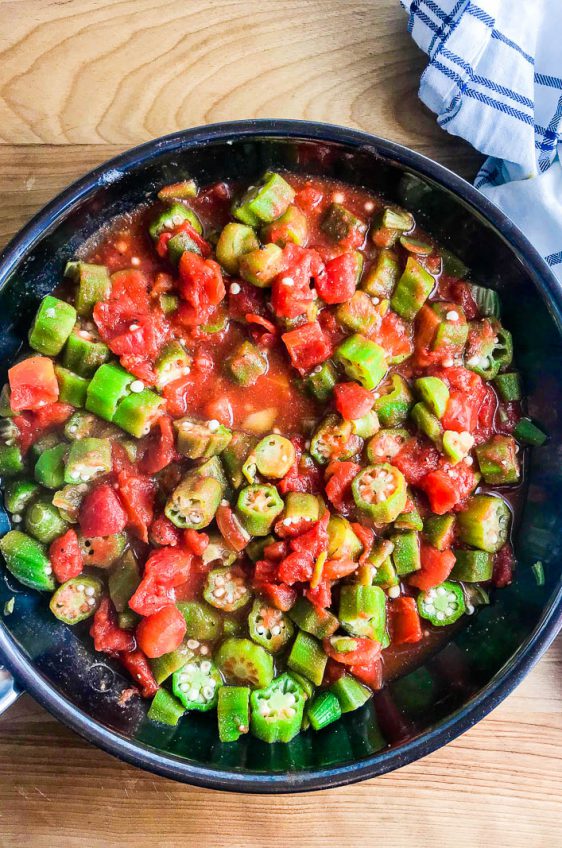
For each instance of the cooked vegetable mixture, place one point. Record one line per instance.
(263, 440)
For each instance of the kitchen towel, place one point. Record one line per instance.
(495, 78)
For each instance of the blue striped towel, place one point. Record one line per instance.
(495, 78)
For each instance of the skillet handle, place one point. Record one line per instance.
(9, 690)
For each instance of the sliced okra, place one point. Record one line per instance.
(243, 662)
(196, 685)
(362, 611)
(227, 589)
(194, 502)
(257, 507)
(94, 284)
(264, 202)
(174, 216)
(246, 364)
(269, 627)
(27, 560)
(77, 599)
(334, 439)
(380, 491)
(88, 459)
(233, 712)
(172, 363)
(273, 456)
(52, 326)
(484, 523)
(200, 440)
(277, 710)
(442, 605)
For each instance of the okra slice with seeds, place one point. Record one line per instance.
(88, 459)
(386, 444)
(217, 551)
(102, 551)
(367, 426)
(243, 662)
(362, 611)
(196, 685)
(277, 710)
(334, 439)
(77, 599)
(26, 559)
(269, 627)
(457, 446)
(52, 326)
(497, 460)
(163, 667)
(178, 245)
(489, 348)
(227, 589)
(200, 440)
(233, 712)
(194, 502)
(439, 530)
(484, 523)
(246, 364)
(380, 491)
(362, 360)
(264, 202)
(394, 403)
(257, 507)
(273, 456)
(94, 284)
(44, 522)
(165, 709)
(442, 605)
(49, 468)
(172, 363)
(84, 353)
(301, 511)
(358, 314)
(234, 241)
(307, 657)
(235, 455)
(137, 412)
(173, 216)
(68, 500)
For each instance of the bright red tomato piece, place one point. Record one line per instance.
(307, 346)
(405, 621)
(162, 532)
(352, 400)
(201, 284)
(339, 280)
(161, 632)
(230, 528)
(370, 675)
(106, 633)
(366, 652)
(339, 477)
(165, 570)
(33, 383)
(296, 568)
(137, 665)
(137, 494)
(101, 512)
(435, 567)
(415, 459)
(159, 449)
(66, 557)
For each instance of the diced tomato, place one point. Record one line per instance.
(352, 400)
(395, 336)
(203, 245)
(486, 414)
(426, 324)
(220, 408)
(101, 512)
(106, 633)
(276, 551)
(33, 383)
(230, 528)
(279, 595)
(162, 532)
(307, 346)
(245, 300)
(196, 542)
(441, 491)
(415, 459)
(265, 571)
(200, 283)
(315, 540)
(137, 665)
(504, 565)
(66, 557)
(161, 632)
(321, 595)
(366, 652)
(137, 493)
(252, 318)
(331, 327)
(304, 475)
(32, 425)
(165, 570)
(339, 477)
(335, 569)
(159, 447)
(291, 294)
(405, 621)
(339, 280)
(461, 413)
(370, 675)
(140, 367)
(308, 198)
(435, 567)
(366, 537)
(296, 568)
(120, 460)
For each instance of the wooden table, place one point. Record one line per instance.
(81, 80)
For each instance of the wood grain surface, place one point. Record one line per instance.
(81, 80)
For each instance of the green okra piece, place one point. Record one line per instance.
(109, 385)
(77, 599)
(163, 667)
(443, 604)
(380, 491)
(6, 410)
(487, 300)
(457, 446)
(484, 523)
(489, 348)
(427, 423)
(472, 566)
(178, 245)
(350, 693)
(165, 709)
(194, 502)
(438, 530)
(52, 326)
(137, 412)
(256, 547)
(323, 710)
(68, 501)
(380, 281)
(366, 426)
(27, 560)
(243, 662)
(508, 386)
(301, 509)
(168, 302)
(307, 657)
(87, 459)
(182, 190)
(497, 460)
(196, 685)
(410, 519)
(269, 627)
(72, 387)
(172, 363)
(292, 227)
(49, 468)
(451, 331)
(412, 290)
(217, 551)
(212, 468)
(322, 380)
(318, 622)
(44, 443)
(246, 364)
(342, 541)
(406, 552)
(384, 572)
(334, 439)
(11, 460)
(260, 267)
(123, 581)
(234, 241)
(362, 611)
(358, 314)
(434, 393)
(264, 202)
(94, 284)
(528, 432)
(362, 360)
(257, 508)
(83, 353)
(386, 444)
(273, 456)
(44, 522)
(203, 621)
(199, 440)
(235, 455)
(233, 712)
(18, 494)
(339, 223)
(393, 406)
(276, 711)
(174, 216)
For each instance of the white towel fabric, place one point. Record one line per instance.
(495, 78)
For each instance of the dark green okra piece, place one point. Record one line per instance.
(257, 507)
(52, 326)
(49, 468)
(94, 284)
(233, 712)
(44, 522)
(84, 353)
(72, 387)
(27, 560)
(362, 360)
(264, 202)
(109, 385)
